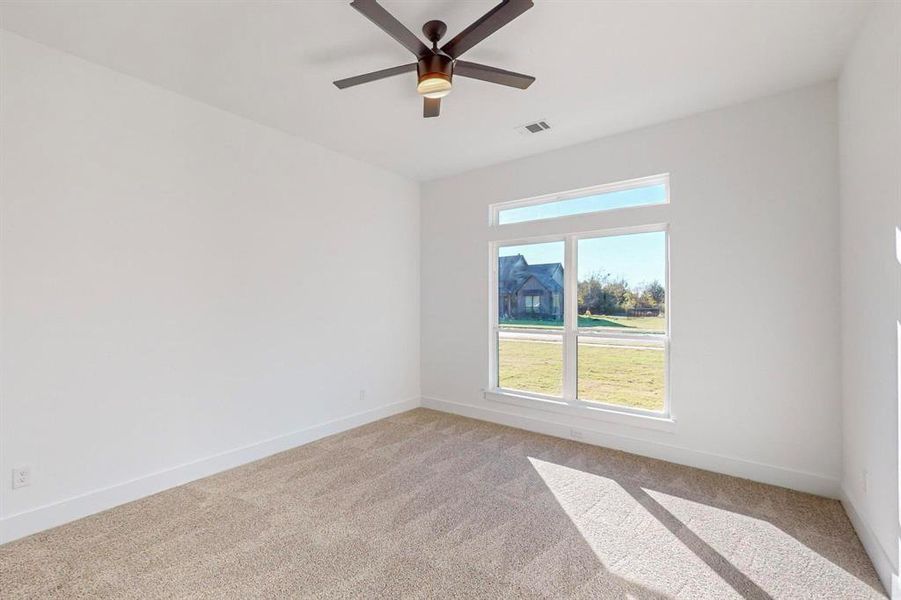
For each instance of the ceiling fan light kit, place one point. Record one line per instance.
(435, 73)
(435, 67)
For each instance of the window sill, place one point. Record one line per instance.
(583, 410)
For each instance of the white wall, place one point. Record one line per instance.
(178, 283)
(870, 157)
(754, 301)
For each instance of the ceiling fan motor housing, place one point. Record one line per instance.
(438, 66)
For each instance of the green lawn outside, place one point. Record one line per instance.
(622, 376)
(655, 324)
(531, 366)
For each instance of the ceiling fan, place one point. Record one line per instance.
(436, 67)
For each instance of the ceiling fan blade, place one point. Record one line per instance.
(493, 20)
(374, 76)
(492, 74)
(431, 107)
(376, 13)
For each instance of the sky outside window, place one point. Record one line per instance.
(652, 194)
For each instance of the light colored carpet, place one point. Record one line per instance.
(429, 505)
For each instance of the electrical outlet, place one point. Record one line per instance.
(864, 481)
(576, 434)
(21, 477)
(362, 395)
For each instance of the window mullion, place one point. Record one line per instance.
(570, 319)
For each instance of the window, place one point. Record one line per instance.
(639, 192)
(622, 320)
(529, 343)
(581, 319)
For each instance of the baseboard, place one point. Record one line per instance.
(812, 483)
(51, 515)
(888, 572)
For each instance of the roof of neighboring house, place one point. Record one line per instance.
(545, 275)
(507, 266)
(514, 271)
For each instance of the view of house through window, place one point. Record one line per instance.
(613, 351)
(530, 318)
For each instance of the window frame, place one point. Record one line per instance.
(569, 402)
(606, 188)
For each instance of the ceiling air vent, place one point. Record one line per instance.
(531, 128)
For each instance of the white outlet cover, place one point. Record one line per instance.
(21, 477)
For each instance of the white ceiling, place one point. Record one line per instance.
(602, 66)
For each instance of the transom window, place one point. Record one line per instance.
(582, 319)
(627, 194)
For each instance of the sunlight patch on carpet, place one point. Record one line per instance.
(677, 546)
